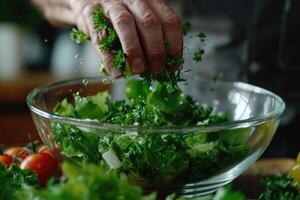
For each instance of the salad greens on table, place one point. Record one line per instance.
(13, 178)
(90, 181)
(152, 101)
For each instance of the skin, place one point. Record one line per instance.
(142, 26)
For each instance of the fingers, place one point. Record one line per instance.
(172, 27)
(124, 24)
(150, 32)
(78, 8)
(106, 56)
(138, 24)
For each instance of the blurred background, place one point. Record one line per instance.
(255, 41)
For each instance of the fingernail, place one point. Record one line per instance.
(157, 67)
(137, 66)
(116, 73)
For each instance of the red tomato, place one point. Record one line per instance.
(43, 149)
(17, 151)
(6, 160)
(43, 164)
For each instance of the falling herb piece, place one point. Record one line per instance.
(198, 55)
(202, 36)
(174, 61)
(78, 36)
(216, 78)
(187, 27)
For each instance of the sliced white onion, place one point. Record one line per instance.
(111, 158)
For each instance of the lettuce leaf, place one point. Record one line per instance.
(13, 178)
(85, 182)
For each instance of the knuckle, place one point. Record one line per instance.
(106, 57)
(132, 50)
(88, 10)
(175, 51)
(150, 21)
(156, 53)
(123, 18)
(130, 2)
(172, 21)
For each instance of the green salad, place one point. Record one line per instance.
(151, 101)
(150, 159)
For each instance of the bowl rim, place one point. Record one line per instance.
(96, 125)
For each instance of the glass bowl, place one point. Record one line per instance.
(229, 148)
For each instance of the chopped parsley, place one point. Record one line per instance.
(78, 36)
(187, 27)
(281, 187)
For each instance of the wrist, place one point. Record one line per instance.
(73, 3)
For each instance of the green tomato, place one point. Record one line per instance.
(137, 89)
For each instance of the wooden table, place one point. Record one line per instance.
(15, 119)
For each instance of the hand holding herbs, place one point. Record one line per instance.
(134, 36)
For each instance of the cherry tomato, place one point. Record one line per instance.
(43, 149)
(43, 164)
(6, 160)
(17, 151)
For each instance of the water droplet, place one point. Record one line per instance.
(76, 56)
(46, 40)
(105, 80)
(85, 82)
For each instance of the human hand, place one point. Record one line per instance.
(142, 26)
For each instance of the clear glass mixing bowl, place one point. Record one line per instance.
(254, 113)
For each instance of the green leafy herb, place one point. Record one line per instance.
(149, 158)
(174, 61)
(198, 55)
(11, 180)
(281, 187)
(187, 27)
(119, 60)
(78, 36)
(85, 182)
(202, 36)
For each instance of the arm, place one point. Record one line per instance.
(142, 26)
(57, 12)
